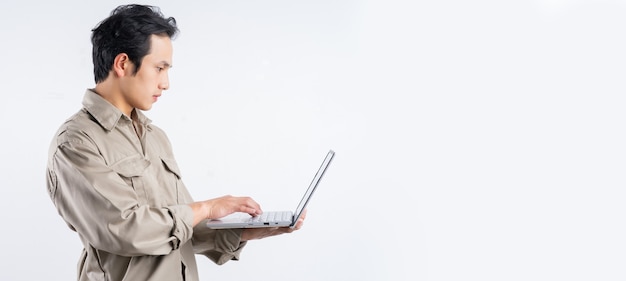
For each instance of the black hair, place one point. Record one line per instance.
(127, 30)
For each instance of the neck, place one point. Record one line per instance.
(112, 94)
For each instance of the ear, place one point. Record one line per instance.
(122, 65)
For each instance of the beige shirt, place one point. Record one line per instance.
(118, 186)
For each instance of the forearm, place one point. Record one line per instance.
(200, 211)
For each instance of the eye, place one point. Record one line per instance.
(159, 69)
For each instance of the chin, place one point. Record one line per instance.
(144, 108)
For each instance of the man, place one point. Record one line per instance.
(112, 175)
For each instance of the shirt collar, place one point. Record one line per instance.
(106, 114)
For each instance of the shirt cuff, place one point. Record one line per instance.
(228, 241)
(220, 246)
(183, 224)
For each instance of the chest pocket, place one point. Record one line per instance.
(174, 183)
(131, 170)
(170, 165)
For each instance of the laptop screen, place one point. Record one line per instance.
(309, 192)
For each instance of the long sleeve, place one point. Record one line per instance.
(220, 246)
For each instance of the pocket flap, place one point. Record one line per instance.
(172, 166)
(132, 166)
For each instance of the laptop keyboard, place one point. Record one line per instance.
(273, 217)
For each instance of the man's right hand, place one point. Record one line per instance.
(223, 206)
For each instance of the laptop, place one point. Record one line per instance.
(276, 218)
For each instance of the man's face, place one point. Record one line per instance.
(145, 87)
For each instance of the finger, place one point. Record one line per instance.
(303, 216)
(254, 205)
(247, 205)
(296, 227)
(250, 210)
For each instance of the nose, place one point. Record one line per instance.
(165, 83)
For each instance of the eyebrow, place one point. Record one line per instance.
(166, 64)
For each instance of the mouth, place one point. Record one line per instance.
(155, 97)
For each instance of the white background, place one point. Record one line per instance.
(475, 140)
